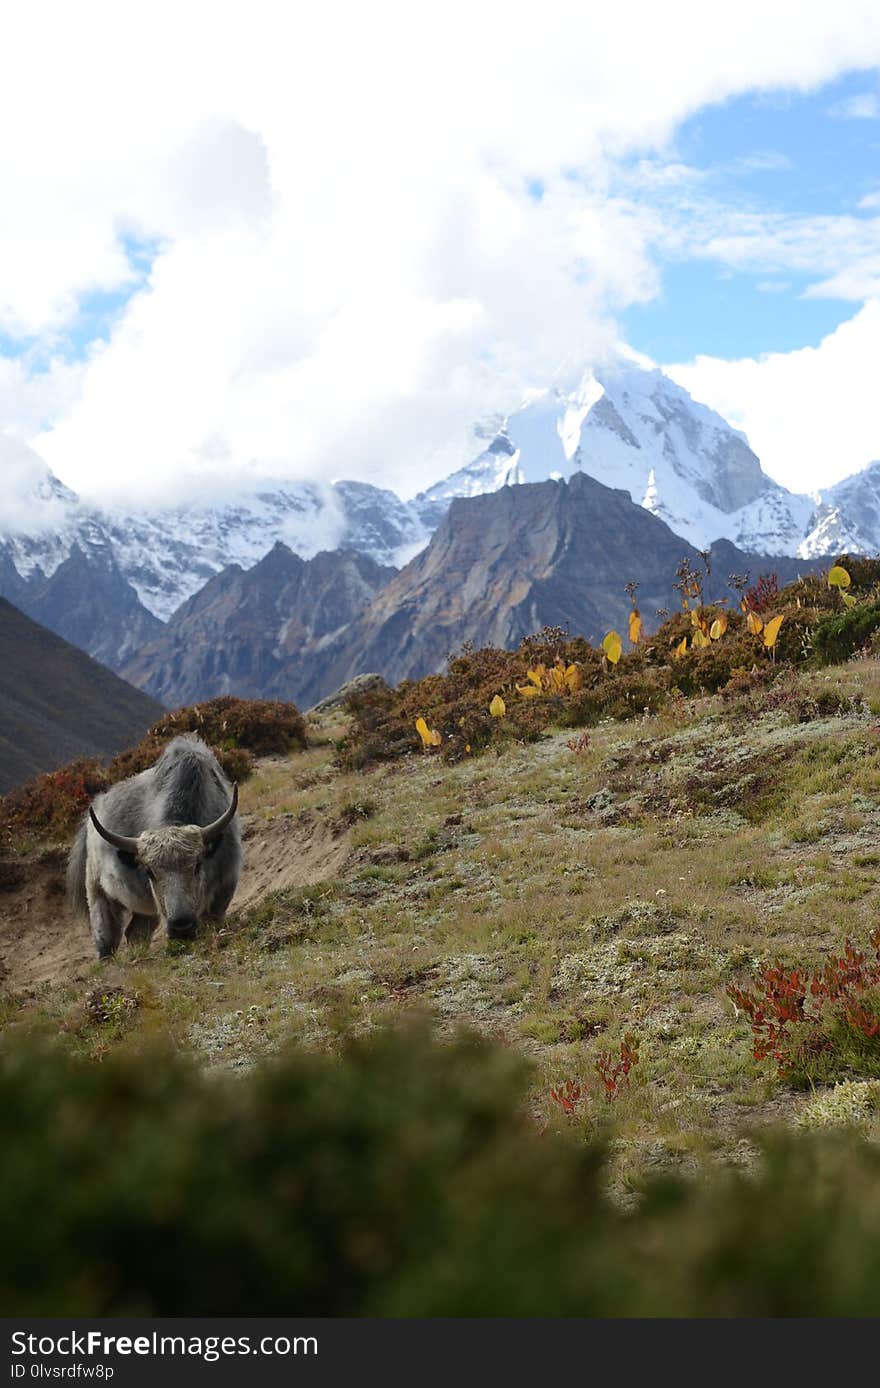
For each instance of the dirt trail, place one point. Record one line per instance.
(40, 942)
(287, 851)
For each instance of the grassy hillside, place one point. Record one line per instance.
(603, 905)
(555, 895)
(56, 703)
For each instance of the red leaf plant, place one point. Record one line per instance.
(789, 1009)
(614, 1075)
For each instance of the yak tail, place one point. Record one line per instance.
(76, 875)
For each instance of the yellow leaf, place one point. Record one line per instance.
(848, 598)
(743, 605)
(700, 639)
(574, 679)
(557, 676)
(537, 675)
(771, 631)
(755, 625)
(718, 627)
(838, 577)
(613, 647)
(430, 737)
(498, 707)
(528, 691)
(467, 747)
(635, 626)
(681, 649)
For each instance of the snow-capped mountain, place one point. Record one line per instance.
(847, 516)
(168, 555)
(625, 426)
(635, 429)
(39, 516)
(495, 465)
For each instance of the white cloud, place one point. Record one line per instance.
(862, 106)
(687, 219)
(842, 252)
(350, 262)
(761, 161)
(31, 393)
(773, 286)
(810, 415)
(29, 502)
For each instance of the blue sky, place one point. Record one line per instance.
(799, 156)
(92, 316)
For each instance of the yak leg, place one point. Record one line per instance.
(107, 919)
(139, 930)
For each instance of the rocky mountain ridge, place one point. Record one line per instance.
(500, 566)
(253, 632)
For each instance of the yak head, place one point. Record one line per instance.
(177, 860)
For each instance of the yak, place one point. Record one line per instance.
(164, 845)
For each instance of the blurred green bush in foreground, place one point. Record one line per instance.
(402, 1178)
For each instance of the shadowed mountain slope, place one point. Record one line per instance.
(251, 632)
(89, 602)
(57, 703)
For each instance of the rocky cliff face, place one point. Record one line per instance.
(254, 632)
(90, 603)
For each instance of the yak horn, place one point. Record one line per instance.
(120, 841)
(213, 831)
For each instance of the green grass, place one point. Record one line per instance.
(551, 900)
